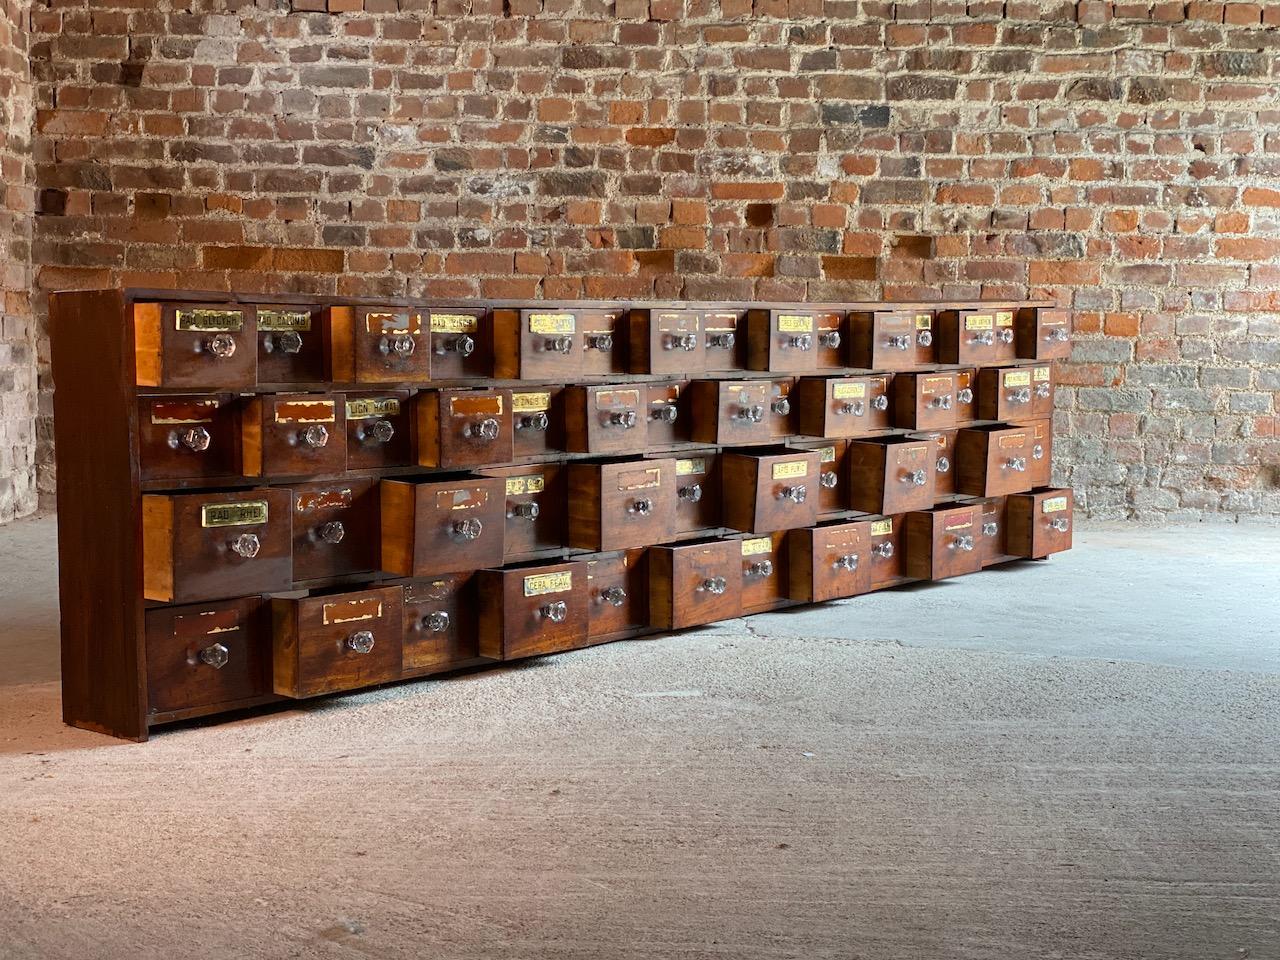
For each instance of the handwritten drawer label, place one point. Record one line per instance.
(794, 323)
(521, 485)
(881, 528)
(685, 468)
(530, 402)
(756, 546)
(980, 321)
(1054, 505)
(1017, 378)
(849, 391)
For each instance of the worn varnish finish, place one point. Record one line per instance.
(694, 583)
(833, 473)
(195, 345)
(537, 509)
(891, 474)
(763, 571)
(459, 429)
(619, 504)
(430, 527)
(532, 610)
(771, 489)
(294, 434)
(379, 429)
(336, 528)
(829, 561)
(697, 490)
(1042, 334)
(993, 460)
(440, 623)
(194, 437)
(1039, 523)
(617, 594)
(340, 641)
(606, 418)
(943, 542)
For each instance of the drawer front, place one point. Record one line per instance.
(879, 403)
(604, 342)
(925, 401)
(535, 509)
(966, 395)
(697, 492)
(1040, 461)
(196, 345)
(967, 337)
(335, 528)
(208, 654)
(784, 341)
(787, 489)
(548, 345)
(439, 622)
(292, 345)
(833, 488)
(763, 571)
(827, 563)
(892, 339)
(617, 595)
(725, 340)
(905, 463)
(606, 419)
(537, 421)
(379, 430)
(831, 340)
(782, 416)
(1016, 393)
(295, 435)
(637, 503)
(943, 543)
(992, 533)
(695, 583)
(390, 345)
(886, 538)
(433, 528)
(730, 411)
(1040, 523)
(188, 438)
(464, 428)
(667, 342)
(533, 610)
(944, 474)
(337, 642)
(666, 415)
(837, 407)
(214, 545)
(1042, 334)
(993, 463)
(458, 351)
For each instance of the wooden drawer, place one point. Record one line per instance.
(667, 416)
(340, 641)
(697, 491)
(529, 611)
(335, 528)
(464, 428)
(1039, 523)
(833, 471)
(840, 406)
(379, 430)
(207, 655)
(536, 508)
(943, 542)
(1040, 463)
(981, 337)
(458, 350)
(619, 504)
(944, 473)
(293, 344)
(992, 535)
(887, 538)
(382, 344)
(924, 401)
(188, 438)
(1015, 393)
(781, 410)
(831, 339)
(667, 342)
(891, 474)
(537, 421)
(783, 341)
(993, 460)
(604, 341)
(694, 583)
(772, 489)
(207, 546)
(763, 571)
(440, 623)
(731, 411)
(1041, 333)
(430, 527)
(539, 344)
(195, 345)
(892, 339)
(606, 419)
(294, 434)
(617, 595)
(725, 339)
(966, 395)
(829, 562)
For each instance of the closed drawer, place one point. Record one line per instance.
(208, 654)
(831, 339)
(464, 428)
(833, 473)
(1040, 462)
(458, 350)
(892, 339)
(943, 542)
(620, 504)
(731, 411)
(606, 419)
(891, 474)
(1040, 522)
(617, 595)
(188, 438)
(379, 430)
(667, 342)
(694, 583)
(545, 343)
(536, 509)
(604, 341)
(332, 642)
(207, 546)
(976, 337)
(784, 341)
(966, 395)
(829, 562)
(1042, 333)
(887, 539)
(1016, 393)
(993, 461)
(294, 434)
(840, 406)
(697, 491)
(195, 345)
(763, 569)
(537, 416)
(293, 344)
(667, 420)
(430, 527)
(529, 611)
(782, 413)
(924, 401)
(335, 528)
(724, 339)
(380, 344)
(774, 489)
(992, 531)
(440, 623)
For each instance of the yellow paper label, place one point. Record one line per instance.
(364, 407)
(640, 479)
(351, 611)
(981, 321)
(924, 321)
(454, 323)
(881, 528)
(382, 322)
(519, 485)
(1004, 318)
(241, 513)
(306, 411)
(794, 323)
(530, 402)
(686, 467)
(849, 391)
(540, 583)
(1012, 440)
(1017, 378)
(790, 469)
(960, 525)
(1054, 505)
(554, 323)
(166, 413)
(208, 321)
(280, 320)
(756, 546)
(1041, 374)
(827, 454)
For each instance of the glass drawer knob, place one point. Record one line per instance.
(332, 532)
(556, 612)
(221, 345)
(692, 493)
(916, 477)
(899, 342)
(626, 419)
(942, 403)
(614, 596)
(1017, 464)
(990, 528)
(796, 494)
(535, 421)
(665, 413)
(1037, 452)
(943, 465)
(642, 507)
(986, 338)
(781, 406)
(1042, 391)
(925, 338)
(380, 431)
(715, 585)
(829, 480)
(559, 344)
(486, 429)
(964, 395)
(361, 641)
(964, 543)
(600, 341)
(289, 342)
(315, 436)
(463, 346)
(880, 403)
(401, 345)
(848, 562)
(246, 545)
(196, 438)
(831, 339)
(437, 621)
(1056, 336)
(528, 510)
(762, 569)
(723, 340)
(1060, 524)
(802, 342)
(751, 414)
(883, 550)
(1006, 335)
(469, 529)
(853, 407)
(215, 656)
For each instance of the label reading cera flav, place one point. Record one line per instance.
(542, 583)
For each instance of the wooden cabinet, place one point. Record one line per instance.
(891, 474)
(1039, 523)
(994, 460)
(943, 542)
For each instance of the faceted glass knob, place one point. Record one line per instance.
(723, 340)
(990, 528)
(469, 529)
(1060, 524)
(196, 439)
(803, 342)
(315, 436)
(361, 641)
(665, 413)
(556, 612)
(614, 596)
(925, 338)
(987, 337)
(942, 403)
(916, 478)
(642, 507)
(830, 339)
(1017, 464)
(848, 562)
(692, 493)
(626, 419)
(687, 341)
(964, 395)
(528, 510)
(853, 408)
(881, 402)
(215, 656)
(401, 345)
(289, 342)
(1037, 452)
(751, 414)
(715, 585)
(221, 345)
(781, 406)
(943, 465)
(1020, 396)
(829, 480)
(762, 569)
(535, 421)
(437, 621)
(1006, 335)
(963, 543)
(796, 494)
(486, 429)
(1056, 336)
(883, 550)
(331, 532)
(380, 431)
(600, 341)
(1042, 391)
(899, 342)
(463, 346)
(246, 545)
(558, 344)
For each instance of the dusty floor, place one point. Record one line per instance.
(1074, 759)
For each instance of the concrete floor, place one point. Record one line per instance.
(1077, 758)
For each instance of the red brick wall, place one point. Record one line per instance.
(1121, 158)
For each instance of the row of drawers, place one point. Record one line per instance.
(207, 545)
(236, 346)
(220, 653)
(299, 434)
